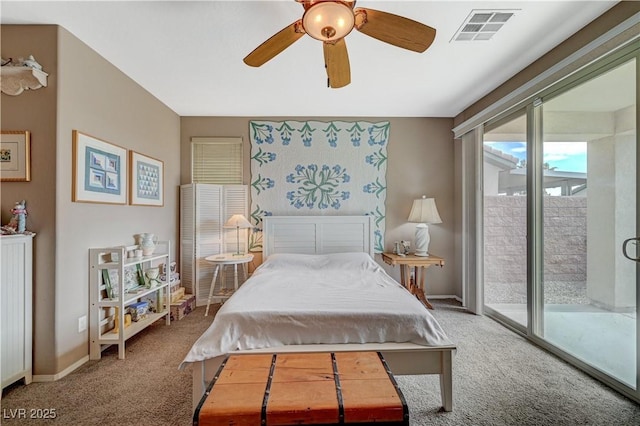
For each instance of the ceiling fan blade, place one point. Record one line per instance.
(336, 61)
(393, 29)
(275, 45)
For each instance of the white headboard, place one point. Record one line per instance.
(317, 234)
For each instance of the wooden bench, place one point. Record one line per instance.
(303, 389)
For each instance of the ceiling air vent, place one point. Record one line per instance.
(482, 24)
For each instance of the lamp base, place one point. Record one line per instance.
(422, 240)
(237, 253)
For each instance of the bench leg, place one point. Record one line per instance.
(446, 381)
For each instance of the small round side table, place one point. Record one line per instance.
(220, 261)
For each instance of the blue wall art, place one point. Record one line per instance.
(147, 180)
(99, 170)
(103, 172)
(319, 168)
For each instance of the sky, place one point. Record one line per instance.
(564, 156)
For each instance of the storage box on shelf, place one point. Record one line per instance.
(183, 307)
(118, 289)
(177, 294)
(176, 291)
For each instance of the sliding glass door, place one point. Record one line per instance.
(560, 221)
(505, 217)
(589, 198)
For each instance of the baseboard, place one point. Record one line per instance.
(53, 377)
(445, 296)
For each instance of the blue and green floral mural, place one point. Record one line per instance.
(319, 168)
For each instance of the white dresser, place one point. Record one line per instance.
(15, 313)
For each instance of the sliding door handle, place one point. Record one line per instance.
(635, 241)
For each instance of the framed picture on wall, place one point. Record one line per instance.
(147, 180)
(99, 171)
(15, 156)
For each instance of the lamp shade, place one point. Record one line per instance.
(238, 221)
(424, 210)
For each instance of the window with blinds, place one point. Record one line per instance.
(216, 160)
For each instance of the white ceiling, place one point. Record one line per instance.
(189, 54)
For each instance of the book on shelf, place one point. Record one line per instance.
(110, 282)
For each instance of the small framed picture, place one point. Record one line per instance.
(15, 156)
(99, 171)
(147, 180)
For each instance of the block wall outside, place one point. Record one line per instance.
(505, 242)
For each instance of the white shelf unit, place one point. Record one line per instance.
(105, 312)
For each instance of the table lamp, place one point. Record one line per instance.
(423, 212)
(238, 221)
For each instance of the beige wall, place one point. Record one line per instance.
(420, 153)
(35, 111)
(89, 94)
(98, 99)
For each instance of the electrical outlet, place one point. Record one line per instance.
(82, 324)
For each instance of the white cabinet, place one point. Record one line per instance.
(204, 208)
(117, 284)
(15, 308)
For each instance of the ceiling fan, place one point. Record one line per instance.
(330, 21)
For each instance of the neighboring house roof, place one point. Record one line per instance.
(499, 158)
(513, 179)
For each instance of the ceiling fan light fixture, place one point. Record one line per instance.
(328, 20)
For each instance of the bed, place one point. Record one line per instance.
(309, 296)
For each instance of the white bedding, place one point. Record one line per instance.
(296, 299)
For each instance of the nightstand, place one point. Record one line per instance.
(220, 261)
(420, 264)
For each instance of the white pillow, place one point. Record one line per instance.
(341, 261)
(291, 261)
(357, 261)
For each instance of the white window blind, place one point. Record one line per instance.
(216, 160)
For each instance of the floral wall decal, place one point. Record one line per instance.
(319, 168)
(318, 187)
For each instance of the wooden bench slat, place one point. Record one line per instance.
(360, 365)
(370, 400)
(253, 369)
(233, 404)
(293, 368)
(302, 403)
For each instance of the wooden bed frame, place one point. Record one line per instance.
(337, 234)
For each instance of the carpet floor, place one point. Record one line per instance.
(499, 379)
